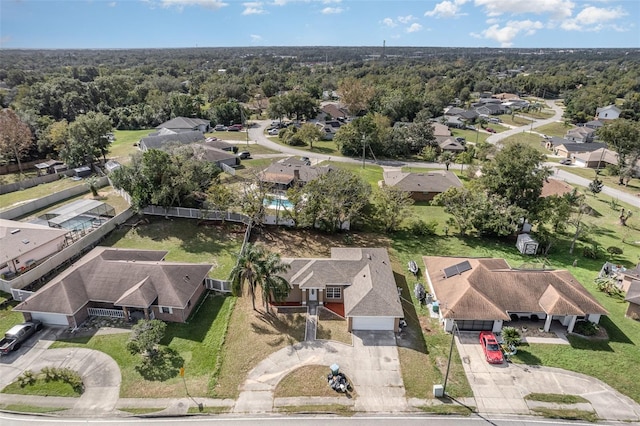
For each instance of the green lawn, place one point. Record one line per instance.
(39, 191)
(612, 181)
(554, 129)
(615, 362)
(470, 135)
(17, 177)
(515, 121)
(123, 145)
(194, 346)
(43, 387)
(531, 139)
(185, 241)
(8, 318)
(229, 136)
(320, 147)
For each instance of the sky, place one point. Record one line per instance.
(98, 24)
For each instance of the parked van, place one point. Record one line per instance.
(495, 120)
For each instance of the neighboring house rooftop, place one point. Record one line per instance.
(19, 238)
(577, 146)
(555, 187)
(440, 129)
(608, 108)
(580, 131)
(123, 277)
(434, 181)
(448, 143)
(633, 293)
(488, 289)
(334, 111)
(366, 272)
(161, 140)
(604, 155)
(184, 123)
(285, 171)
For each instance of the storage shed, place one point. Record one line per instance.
(526, 244)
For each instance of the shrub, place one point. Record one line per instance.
(592, 252)
(26, 378)
(614, 250)
(422, 228)
(586, 328)
(511, 336)
(609, 286)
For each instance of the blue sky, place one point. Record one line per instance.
(230, 23)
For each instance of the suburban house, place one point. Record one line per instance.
(580, 134)
(483, 293)
(224, 146)
(490, 109)
(596, 159)
(440, 129)
(609, 112)
(122, 283)
(594, 124)
(283, 174)
(356, 283)
(449, 143)
(185, 124)
(23, 245)
(506, 96)
(422, 186)
(333, 111)
(570, 149)
(555, 187)
(216, 155)
(159, 140)
(633, 297)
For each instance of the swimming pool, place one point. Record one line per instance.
(277, 203)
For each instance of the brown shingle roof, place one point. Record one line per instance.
(633, 293)
(433, 181)
(491, 289)
(555, 187)
(117, 276)
(285, 170)
(365, 272)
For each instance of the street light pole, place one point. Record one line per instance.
(364, 144)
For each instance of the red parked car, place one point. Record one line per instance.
(491, 348)
(234, 128)
(490, 130)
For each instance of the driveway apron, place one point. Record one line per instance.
(371, 364)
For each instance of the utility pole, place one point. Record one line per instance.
(364, 144)
(446, 376)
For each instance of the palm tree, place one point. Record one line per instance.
(272, 284)
(247, 271)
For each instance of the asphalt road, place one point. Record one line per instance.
(294, 420)
(256, 134)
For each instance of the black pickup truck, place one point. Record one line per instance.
(17, 334)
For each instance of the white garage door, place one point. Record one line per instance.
(373, 323)
(52, 319)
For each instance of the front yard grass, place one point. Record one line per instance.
(566, 414)
(309, 380)
(332, 327)
(448, 409)
(611, 181)
(557, 398)
(24, 408)
(556, 129)
(195, 346)
(319, 147)
(531, 139)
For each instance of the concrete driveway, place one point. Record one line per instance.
(502, 388)
(371, 363)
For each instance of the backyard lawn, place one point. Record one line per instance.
(39, 191)
(122, 147)
(319, 147)
(8, 317)
(185, 241)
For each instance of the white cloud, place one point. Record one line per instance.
(112, 4)
(557, 9)
(414, 28)
(388, 22)
(406, 19)
(332, 10)
(255, 38)
(593, 19)
(253, 8)
(180, 4)
(331, 1)
(446, 9)
(508, 33)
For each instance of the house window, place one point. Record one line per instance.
(166, 310)
(334, 292)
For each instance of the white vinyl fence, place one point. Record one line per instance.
(100, 312)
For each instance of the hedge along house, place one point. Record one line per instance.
(119, 283)
(359, 281)
(482, 293)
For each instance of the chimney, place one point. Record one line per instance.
(296, 174)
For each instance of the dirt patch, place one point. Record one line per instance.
(311, 243)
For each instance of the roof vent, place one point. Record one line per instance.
(25, 241)
(15, 231)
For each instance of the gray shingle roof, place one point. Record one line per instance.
(433, 181)
(184, 138)
(118, 276)
(13, 245)
(183, 123)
